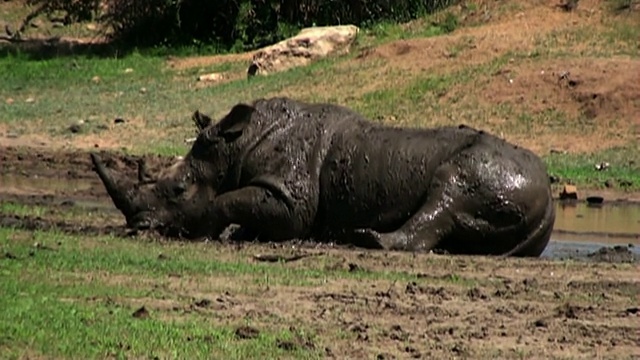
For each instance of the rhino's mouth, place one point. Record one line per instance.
(142, 210)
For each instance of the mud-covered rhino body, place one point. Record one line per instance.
(285, 169)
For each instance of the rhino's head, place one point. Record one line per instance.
(176, 201)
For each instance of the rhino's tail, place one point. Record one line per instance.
(537, 241)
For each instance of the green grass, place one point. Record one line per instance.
(623, 173)
(73, 296)
(38, 318)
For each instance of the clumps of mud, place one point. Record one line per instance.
(615, 254)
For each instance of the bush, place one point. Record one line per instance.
(240, 24)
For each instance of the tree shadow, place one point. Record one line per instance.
(44, 48)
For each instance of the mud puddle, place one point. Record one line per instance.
(610, 223)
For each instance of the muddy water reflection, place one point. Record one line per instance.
(609, 223)
(580, 229)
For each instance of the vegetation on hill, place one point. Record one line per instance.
(230, 24)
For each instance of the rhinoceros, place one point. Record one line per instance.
(285, 169)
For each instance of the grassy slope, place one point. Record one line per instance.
(157, 100)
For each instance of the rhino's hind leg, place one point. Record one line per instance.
(432, 222)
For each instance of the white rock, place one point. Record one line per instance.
(309, 45)
(211, 77)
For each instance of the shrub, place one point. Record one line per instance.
(242, 24)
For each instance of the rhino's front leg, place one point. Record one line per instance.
(257, 209)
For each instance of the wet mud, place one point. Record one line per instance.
(574, 302)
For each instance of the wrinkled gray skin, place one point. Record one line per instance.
(283, 169)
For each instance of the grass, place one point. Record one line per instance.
(50, 309)
(36, 314)
(73, 296)
(623, 173)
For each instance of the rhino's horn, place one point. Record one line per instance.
(120, 197)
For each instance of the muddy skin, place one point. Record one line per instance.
(284, 169)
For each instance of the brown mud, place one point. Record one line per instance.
(575, 302)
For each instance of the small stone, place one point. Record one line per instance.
(30, 100)
(211, 77)
(143, 90)
(128, 70)
(595, 199)
(91, 27)
(141, 313)
(95, 79)
(57, 24)
(541, 323)
(10, 101)
(75, 128)
(569, 192)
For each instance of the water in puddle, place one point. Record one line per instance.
(581, 229)
(617, 218)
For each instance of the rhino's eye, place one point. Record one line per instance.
(179, 189)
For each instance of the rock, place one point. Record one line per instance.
(211, 77)
(91, 27)
(128, 70)
(569, 192)
(602, 166)
(30, 100)
(309, 45)
(36, 24)
(95, 79)
(143, 90)
(75, 128)
(595, 200)
(57, 24)
(9, 101)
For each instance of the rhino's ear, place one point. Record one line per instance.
(232, 126)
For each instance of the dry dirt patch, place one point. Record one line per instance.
(579, 105)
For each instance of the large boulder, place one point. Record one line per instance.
(309, 45)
